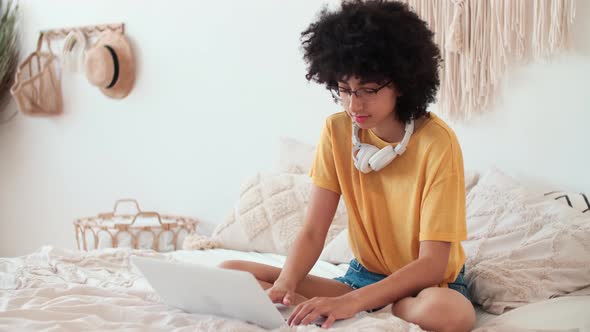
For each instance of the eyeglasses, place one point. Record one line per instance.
(366, 95)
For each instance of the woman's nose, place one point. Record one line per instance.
(354, 102)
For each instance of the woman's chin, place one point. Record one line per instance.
(364, 124)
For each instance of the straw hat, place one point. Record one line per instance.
(109, 64)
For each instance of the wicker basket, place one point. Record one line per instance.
(37, 84)
(141, 230)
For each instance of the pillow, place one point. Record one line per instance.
(471, 179)
(522, 248)
(338, 251)
(294, 156)
(568, 313)
(578, 201)
(269, 214)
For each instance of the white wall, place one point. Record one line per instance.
(537, 129)
(218, 83)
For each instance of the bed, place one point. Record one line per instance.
(56, 289)
(528, 262)
(65, 290)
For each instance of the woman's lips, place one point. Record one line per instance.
(360, 118)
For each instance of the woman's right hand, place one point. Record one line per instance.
(281, 293)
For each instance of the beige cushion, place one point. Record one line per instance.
(338, 251)
(568, 313)
(269, 214)
(471, 179)
(295, 156)
(522, 247)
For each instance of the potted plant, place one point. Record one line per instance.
(8, 49)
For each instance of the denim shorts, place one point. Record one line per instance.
(358, 276)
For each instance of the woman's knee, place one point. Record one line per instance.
(438, 310)
(451, 307)
(405, 309)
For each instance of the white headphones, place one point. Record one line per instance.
(370, 158)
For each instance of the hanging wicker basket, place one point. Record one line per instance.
(37, 84)
(140, 230)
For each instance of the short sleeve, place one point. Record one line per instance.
(323, 170)
(443, 215)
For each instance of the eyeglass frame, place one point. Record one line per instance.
(350, 92)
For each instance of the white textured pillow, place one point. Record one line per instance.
(338, 251)
(471, 179)
(568, 313)
(294, 156)
(521, 247)
(269, 214)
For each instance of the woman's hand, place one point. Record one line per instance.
(281, 292)
(332, 308)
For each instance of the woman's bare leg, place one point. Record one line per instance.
(437, 309)
(311, 286)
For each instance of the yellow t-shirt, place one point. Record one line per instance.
(419, 196)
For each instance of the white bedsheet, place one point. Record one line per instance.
(54, 289)
(62, 290)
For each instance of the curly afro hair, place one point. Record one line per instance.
(377, 41)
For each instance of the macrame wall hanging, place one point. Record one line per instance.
(480, 38)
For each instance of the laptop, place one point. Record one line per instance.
(201, 289)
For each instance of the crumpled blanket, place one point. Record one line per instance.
(54, 289)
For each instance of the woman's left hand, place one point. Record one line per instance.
(332, 308)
